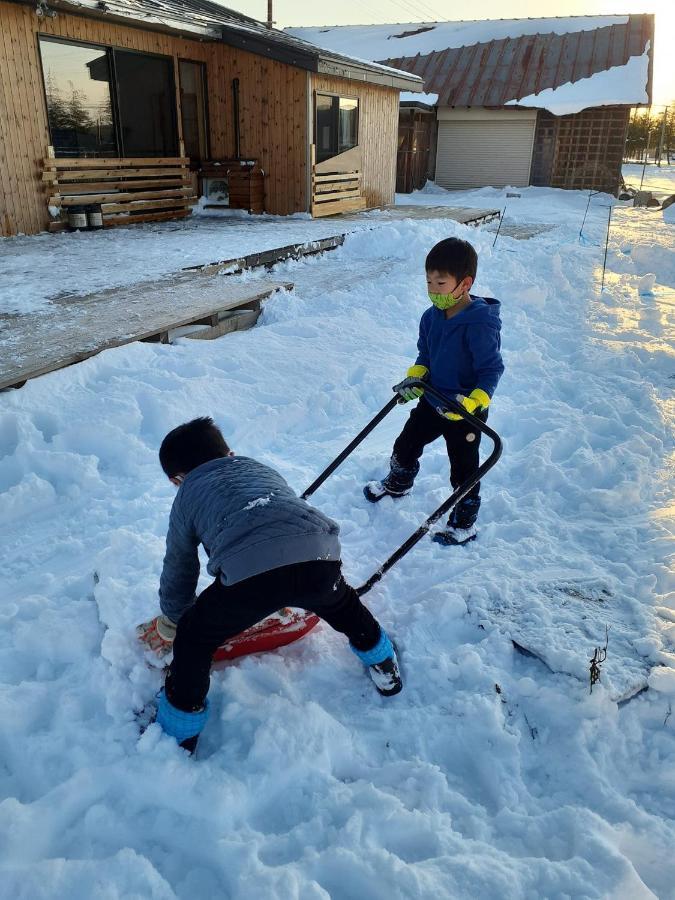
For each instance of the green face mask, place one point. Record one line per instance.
(443, 301)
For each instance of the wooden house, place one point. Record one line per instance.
(511, 101)
(124, 111)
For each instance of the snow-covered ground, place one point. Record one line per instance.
(489, 776)
(659, 179)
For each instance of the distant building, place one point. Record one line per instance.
(511, 102)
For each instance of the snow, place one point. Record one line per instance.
(38, 271)
(619, 85)
(392, 41)
(407, 96)
(489, 775)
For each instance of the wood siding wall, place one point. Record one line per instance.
(378, 132)
(583, 151)
(272, 104)
(416, 148)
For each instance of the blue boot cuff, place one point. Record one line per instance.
(382, 650)
(178, 724)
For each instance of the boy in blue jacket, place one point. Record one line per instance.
(267, 549)
(459, 355)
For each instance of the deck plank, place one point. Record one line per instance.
(77, 328)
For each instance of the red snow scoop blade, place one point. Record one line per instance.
(285, 627)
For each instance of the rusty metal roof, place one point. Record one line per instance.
(494, 72)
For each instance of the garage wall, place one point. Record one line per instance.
(479, 147)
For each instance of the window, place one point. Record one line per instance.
(193, 109)
(337, 125)
(146, 99)
(107, 102)
(79, 106)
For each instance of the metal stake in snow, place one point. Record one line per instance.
(604, 262)
(649, 134)
(499, 227)
(591, 194)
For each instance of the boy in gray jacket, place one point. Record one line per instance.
(267, 549)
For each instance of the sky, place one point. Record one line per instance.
(357, 12)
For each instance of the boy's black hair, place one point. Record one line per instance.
(454, 256)
(190, 445)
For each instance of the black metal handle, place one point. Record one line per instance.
(351, 447)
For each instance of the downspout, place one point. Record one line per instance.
(235, 112)
(309, 137)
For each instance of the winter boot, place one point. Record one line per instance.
(461, 527)
(185, 727)
(398, 482)
(382, 665)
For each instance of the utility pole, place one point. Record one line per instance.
(663, 131)
(270, 14)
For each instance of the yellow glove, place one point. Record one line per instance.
(475, 402)
(158, 635)
(404, 389)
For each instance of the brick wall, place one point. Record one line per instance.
(580, 151)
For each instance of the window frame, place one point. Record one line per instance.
(335, 124)
(40, 36)
(207, 118)
(114, 87)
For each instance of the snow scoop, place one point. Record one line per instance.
(287, 625)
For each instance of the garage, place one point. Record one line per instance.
(484, 147)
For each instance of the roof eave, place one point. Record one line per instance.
(262, 46)
(356, 72)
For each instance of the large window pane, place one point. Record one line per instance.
(348, 124)
(193, 109)
(337, 125)
(326, 137)
(77, 86)
(146, 102)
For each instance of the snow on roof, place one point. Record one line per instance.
(490, 63)
(620, 85)
(411, 97)
(381, 42)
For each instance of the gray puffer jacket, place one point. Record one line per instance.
(249, 521)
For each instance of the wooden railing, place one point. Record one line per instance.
(127, 190)
(337, 185)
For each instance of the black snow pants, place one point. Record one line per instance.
(220, 612)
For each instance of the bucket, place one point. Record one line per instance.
(94, 217)
(77, 218)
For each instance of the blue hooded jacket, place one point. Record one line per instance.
(462, 353)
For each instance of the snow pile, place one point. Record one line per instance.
(646, 283)
(615, 86)
(391, 41)
(489, 776)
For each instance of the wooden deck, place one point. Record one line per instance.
(186, 305)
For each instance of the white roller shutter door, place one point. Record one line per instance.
(482, 153)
